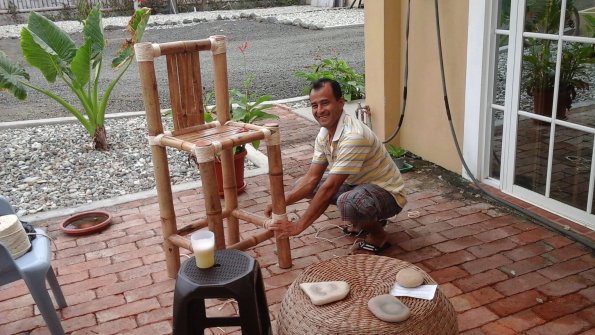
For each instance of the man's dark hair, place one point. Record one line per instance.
(319, 83)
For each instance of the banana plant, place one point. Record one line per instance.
(51, 50)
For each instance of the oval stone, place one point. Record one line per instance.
(409, 278)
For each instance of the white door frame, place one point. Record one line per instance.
(482, 21)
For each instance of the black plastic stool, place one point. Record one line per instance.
(235, 275)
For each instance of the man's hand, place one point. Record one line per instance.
(285, 229)
(268, 210)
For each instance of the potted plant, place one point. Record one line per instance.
(398, 155)
(539, 60)
(247, 108)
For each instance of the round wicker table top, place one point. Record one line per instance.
(368, 276)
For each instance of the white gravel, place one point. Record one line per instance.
(50, 167)
(309, 17)
(54, 166)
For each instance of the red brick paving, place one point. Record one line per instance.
(503, 274)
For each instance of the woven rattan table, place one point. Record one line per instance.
(368, 276)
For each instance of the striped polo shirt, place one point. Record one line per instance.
(355, 150)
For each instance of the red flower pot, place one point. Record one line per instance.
(238, 163)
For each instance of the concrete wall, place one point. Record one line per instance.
(425, 130)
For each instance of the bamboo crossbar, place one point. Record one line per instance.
(200, 223)
(252, 240)
(239, 139)
(180, 241)
(192, 227)
(248, 217)
(196, 128)
(219, 134)
(245, 125)
(179, 144)
(168, 48)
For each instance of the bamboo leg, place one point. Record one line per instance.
(161, 169)
(230, 195)
(166, 209)
(212, 201)
(219, 50)
(277, 192)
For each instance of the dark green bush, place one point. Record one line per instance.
(352, 83)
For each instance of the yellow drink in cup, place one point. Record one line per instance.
(203, 245)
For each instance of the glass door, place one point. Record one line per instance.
(543, 126)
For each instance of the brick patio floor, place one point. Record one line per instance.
(502, 273)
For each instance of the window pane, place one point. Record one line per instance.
(580, 18)
(531, 154)
(571, 167)
(496, 143)
(543, 16)
(577, 83)
(500, 70)
(537, 76)
(586, 19)
(503, 14)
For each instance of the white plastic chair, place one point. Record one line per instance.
(34, 268)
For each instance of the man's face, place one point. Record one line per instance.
(326, 109)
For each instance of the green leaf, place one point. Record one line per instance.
(209, 117)
(238, 113)
(136, 27)
(38, 57)
(122, 57)
(262, 99)
(138, 23)
(265, 116)
(10, 77)
(51, 38)
(93, 32)
(395, 151)
(81, 64)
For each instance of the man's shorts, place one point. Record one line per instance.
(363, 203)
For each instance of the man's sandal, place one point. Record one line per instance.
(363, 245)
(346, 229)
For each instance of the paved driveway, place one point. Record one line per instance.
(274, 53)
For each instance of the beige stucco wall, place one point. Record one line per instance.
(425, 130)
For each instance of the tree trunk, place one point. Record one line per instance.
(100, 139)
(203, 5)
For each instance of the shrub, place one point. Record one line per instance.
(83, 8)
(13, 12)
(120, 7)
(352, 83)
(51, 50)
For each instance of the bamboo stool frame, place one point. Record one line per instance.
(204, 141)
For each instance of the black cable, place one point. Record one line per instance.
(405, 78)
(552, 225)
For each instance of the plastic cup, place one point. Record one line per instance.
(203, 245)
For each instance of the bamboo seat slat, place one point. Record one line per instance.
(234, 135)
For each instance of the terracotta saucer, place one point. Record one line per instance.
(86, 223)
